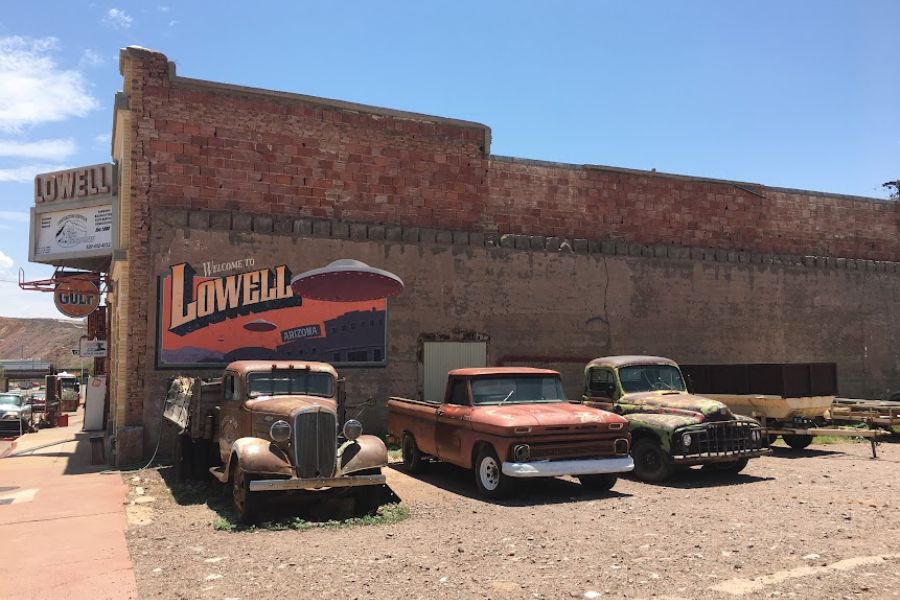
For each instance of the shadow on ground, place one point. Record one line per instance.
(527, 492)
(279, 507)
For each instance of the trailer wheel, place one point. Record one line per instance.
(412, 456)
(797, 442)
(598, 483)
(245, 501)
(650, 462)
(489, 477)
(735, 466)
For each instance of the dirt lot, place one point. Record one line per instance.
(824, 523)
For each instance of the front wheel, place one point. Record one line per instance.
(735, 466)
(650, 462)
(797, 442)
(598, 483)
(489, 477)
(245, 501)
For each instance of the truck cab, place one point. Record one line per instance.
(670, 427)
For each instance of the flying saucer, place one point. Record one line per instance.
(346, 280)
(260, 325)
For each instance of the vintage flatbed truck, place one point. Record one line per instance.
(275, 426)
(509, 423)
(670, 427)
(796, 401)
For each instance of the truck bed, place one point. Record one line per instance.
(191, 404)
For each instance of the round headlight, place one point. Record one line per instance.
(352, 429)
(522, 452)
(280, 431)
(686, 440)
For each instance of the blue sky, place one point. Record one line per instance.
(794, 94)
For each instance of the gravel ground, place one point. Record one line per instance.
(823, 523)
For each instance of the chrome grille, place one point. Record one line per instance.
(721, 438)
(315, 443)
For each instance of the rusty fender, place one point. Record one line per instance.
(366, 452)
(260, 457)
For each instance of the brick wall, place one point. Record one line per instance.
(259, 160)
(213, 146)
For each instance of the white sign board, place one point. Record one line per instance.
(93, 348)
(83, 231)
(94, 399)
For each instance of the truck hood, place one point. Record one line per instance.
(670, 402)
(552, 416)
(285, 406)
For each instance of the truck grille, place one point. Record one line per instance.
(721, 439)
(315, 443)
(577, 449)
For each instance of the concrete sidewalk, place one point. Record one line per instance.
(62, 521)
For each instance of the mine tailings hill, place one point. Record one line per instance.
(41, 339)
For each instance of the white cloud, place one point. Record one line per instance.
(22, 304)
(26, 173)
(33, 87)
(56, 149)
(163, 8)
(91, 58)
(117, 19)
(12, 215)
(6, 265)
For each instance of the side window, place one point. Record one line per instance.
(458, 393)
(601, 383)
(230, 385)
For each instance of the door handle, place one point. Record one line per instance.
(440, 413)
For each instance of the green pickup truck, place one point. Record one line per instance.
(670, 427)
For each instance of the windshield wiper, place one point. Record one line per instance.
(508, 396)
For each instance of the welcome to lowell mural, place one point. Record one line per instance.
(209, 320)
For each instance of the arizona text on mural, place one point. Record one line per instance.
(225, 297)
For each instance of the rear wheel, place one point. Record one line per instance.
(489, 477)
(412, 456)
(598, 483)
(650, 462)
(245, 501)
(797, 442)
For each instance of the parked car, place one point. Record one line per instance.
(510, 423)
(15, 414)
(669, 426)
(38, 401)
(276, 426)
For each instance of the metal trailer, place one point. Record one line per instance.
(794, 401)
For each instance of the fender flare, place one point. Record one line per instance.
(259, 457)
(366, 452)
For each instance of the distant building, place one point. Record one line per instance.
(354, 337)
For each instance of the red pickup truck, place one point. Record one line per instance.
(508, 423)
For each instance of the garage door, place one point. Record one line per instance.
(441, 357)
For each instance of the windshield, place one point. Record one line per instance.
(646, 378)
(10, 400)
(284, 383)
(517, 390)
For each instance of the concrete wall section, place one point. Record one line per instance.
(560, 307)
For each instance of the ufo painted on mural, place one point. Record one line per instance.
(260, 325)
(346, 280)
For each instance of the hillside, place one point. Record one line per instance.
(41, 339)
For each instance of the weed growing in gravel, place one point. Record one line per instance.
(387, 515)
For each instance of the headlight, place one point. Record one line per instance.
(352, 429)
(280, 431)
(521, 452)
(755, 435)
(686, 440)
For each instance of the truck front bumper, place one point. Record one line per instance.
(270, 485)
(557, 468)
(718, 457)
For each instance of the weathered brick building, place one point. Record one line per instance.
(539, 262)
